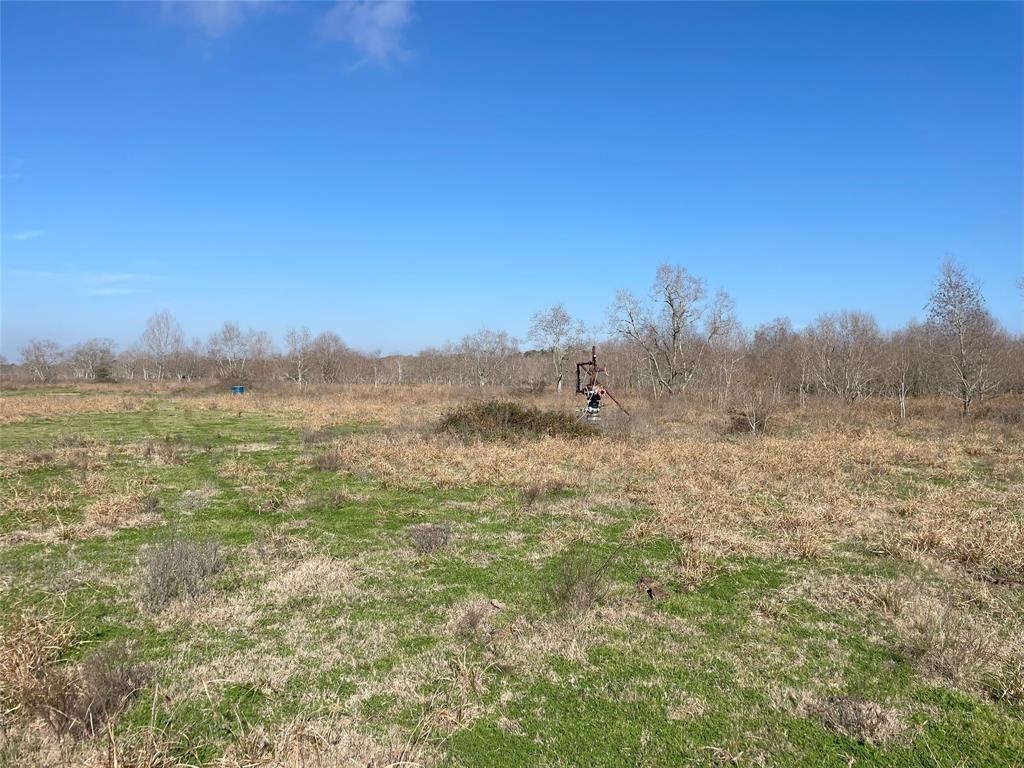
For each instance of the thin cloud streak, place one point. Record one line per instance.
(113, 291)
(119, 277)
(31, 234)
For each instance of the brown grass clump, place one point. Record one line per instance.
(944, 642)
(987, 541)
(506, 421)
(326, 461)
(15, 408)
(196, 499)
(120, 510)
(1007, 684)
(310, 436)
(430, 537)
(167, 451)
(319, 744)
(959, 633)
(75, 700)
(849, 716)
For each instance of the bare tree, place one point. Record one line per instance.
(129, 362)
(93, 359)
(903, 363)
(554, 331)
(846, 350)
(300, 357)
(232, 349)
(41, 356)
(675, 327)
(329, 354)
(775, 355)
(162, 339)
(966, 332)
(490, 356)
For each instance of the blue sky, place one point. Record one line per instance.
(405, 174)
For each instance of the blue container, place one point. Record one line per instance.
(238, 390)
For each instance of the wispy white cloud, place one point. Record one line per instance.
(95, 283)
(30, 234)
(214, 18)
(117, 277)
(36, 274)
(372, 27)
(113, 291)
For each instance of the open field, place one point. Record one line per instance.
(323, 580)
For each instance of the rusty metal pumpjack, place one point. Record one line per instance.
(588, 384)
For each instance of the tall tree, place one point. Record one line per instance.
(966, 331)
(846, 348)
(162, 339)
(41, 356)
(93, 359)
(300, 354)
(233, 349)
(554, 331)
(675, 327)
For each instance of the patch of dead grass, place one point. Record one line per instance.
(849, 716)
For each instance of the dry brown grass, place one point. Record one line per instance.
(131, 509)
(70, 699)
(849, 716)
(957, 632)
(792, 496)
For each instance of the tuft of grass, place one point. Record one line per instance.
(310, 436)
(506, 421)
(326, 461)
(178, 569)
(849, 716)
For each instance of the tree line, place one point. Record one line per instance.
(676, 340)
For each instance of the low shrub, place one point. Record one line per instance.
(178, 569)
(580, 581)
(499, 420)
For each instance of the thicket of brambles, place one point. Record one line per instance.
(676, 340)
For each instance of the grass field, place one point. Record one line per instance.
(324, 580)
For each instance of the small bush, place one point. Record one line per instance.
(749, 422)
(109, 677)
(496, 420)
(179, 569)
(430, 537)
(580, 581)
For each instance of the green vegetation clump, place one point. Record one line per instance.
(507, 421)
